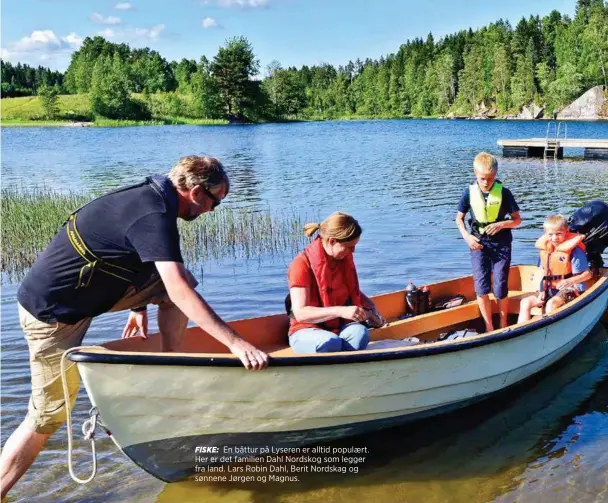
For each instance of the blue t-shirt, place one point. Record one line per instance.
(131, 228)
(508, 206)
(579, 262)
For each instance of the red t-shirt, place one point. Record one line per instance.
(300, 275)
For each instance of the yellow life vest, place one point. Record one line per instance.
(485, 212)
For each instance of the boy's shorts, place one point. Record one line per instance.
(493, 261)
(47, 342)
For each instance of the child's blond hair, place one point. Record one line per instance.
(558, 221)
(485, 162)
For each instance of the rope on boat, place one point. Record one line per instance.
(89, 426)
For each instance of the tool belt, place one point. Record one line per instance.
(93, 262)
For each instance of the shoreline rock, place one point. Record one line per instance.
(591, 105)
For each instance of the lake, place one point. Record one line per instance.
(546, 440)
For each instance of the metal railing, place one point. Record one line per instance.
(552, 144)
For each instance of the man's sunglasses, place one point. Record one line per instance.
(216, 200)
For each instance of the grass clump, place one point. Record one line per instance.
(30, 219)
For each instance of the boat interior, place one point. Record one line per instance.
(269, 333)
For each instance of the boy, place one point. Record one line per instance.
(490, 203)
(563, 259)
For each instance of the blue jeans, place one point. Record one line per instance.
(352, 337)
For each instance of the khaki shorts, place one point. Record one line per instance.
(48, 341)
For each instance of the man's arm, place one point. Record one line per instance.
(189, 302)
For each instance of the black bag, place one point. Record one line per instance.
(449, 302)
(453, 335)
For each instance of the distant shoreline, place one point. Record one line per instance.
(205, 122)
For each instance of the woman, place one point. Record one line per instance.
(327, 307)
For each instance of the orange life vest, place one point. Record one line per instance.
(318, 260)
(556, 261)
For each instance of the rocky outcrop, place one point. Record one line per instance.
(531, 112)
(590, 106)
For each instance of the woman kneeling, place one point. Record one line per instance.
(327, 307)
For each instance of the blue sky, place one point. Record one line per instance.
(294, 32)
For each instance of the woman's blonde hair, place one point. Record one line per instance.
(340, 226)
(194, 170)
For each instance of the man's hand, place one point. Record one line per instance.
(495, 228)
(137, 322)
(251, 357)
(473, 242)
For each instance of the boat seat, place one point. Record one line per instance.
(282, 350)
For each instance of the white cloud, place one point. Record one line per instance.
(133, 34)
(243, 4)
(107, 33)
(149, 33)
(209, 22)
(97, 18)
(124, 6)
(42, 46)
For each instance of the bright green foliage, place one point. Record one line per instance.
(548, 60)
(232, 69)
(48, 100)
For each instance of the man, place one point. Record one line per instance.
(120, 251)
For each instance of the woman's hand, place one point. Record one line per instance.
(137, 322)
(354, 313)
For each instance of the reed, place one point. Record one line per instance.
(30, 219)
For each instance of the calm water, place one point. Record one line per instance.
(547, 440)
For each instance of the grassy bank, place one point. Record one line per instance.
(30, 219)
(75, 108)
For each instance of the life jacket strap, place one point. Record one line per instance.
(557, 277)
(93, 262)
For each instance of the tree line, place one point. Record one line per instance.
(548, 60)
(25, 80)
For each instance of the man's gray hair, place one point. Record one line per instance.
(194, 170)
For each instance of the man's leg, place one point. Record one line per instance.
(18, 454)
(46, 410)
(482, 269)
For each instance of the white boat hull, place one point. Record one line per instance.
(157, 423)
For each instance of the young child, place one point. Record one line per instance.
(563, 259)
(494, 212)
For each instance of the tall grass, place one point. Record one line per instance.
(30, 219)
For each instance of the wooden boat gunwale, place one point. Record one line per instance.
(105, 356)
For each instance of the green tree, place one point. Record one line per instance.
(206, 95)
(48, 100)
(567, 86)
(595, 46)
(232, 69)
(110, 95)
(501, 78)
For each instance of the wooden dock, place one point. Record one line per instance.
(553, 147)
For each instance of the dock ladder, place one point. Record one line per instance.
(552, 143)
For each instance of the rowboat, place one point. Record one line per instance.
(162, 407)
